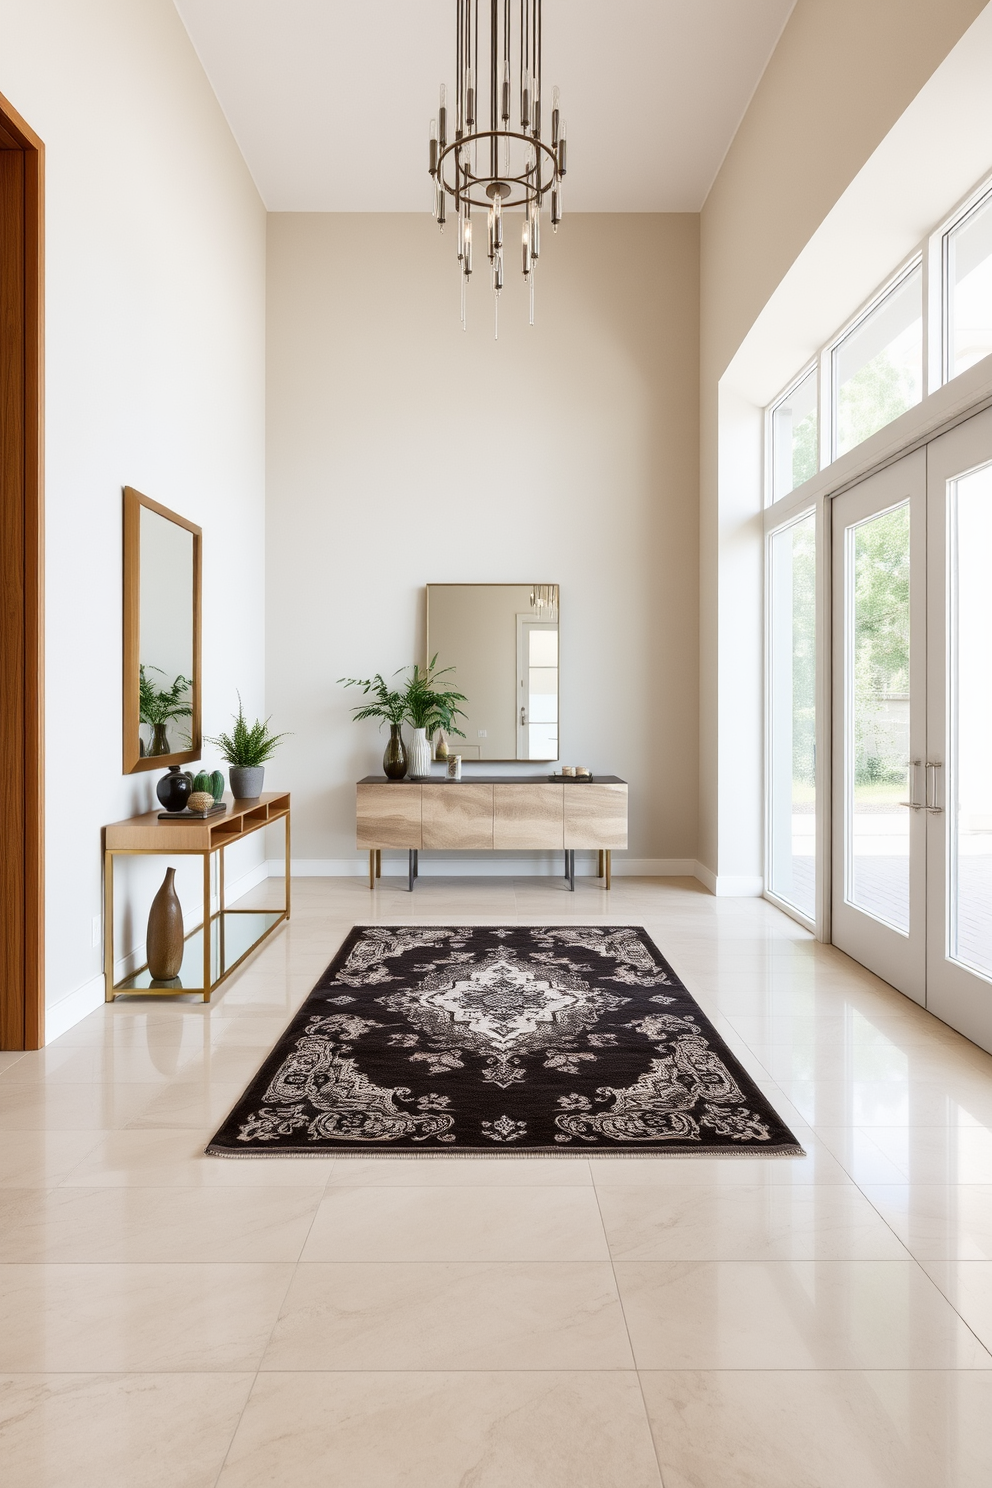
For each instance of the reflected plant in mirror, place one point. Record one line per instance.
(502, 642)
(159, 706)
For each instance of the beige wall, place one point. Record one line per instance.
(840, 77)
(155, 365)
(402, 450)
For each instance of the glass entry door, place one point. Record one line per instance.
(959, 729)
(912, 726)
(879, 724)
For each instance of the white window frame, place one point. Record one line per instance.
(893, 283)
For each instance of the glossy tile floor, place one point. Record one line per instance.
(174, 1321)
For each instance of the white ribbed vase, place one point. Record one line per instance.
(419, 751)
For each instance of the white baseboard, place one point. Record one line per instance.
(69, 1011)
(730, 886)
(531, 865)
(235, 887)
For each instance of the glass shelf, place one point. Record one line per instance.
(232, 935)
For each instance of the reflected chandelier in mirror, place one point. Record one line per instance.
(161, 635)
(502, 640)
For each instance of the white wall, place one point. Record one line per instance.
(402, 451)
(155, 378)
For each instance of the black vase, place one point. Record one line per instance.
(174, 789)
(394, 760)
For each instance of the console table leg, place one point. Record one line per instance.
(609, 866)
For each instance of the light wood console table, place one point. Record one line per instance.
(226, 936)
(487, 812)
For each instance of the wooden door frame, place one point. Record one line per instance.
(22, 821)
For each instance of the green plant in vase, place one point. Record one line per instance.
(245, 750)
(388, 706)
(428, 707)
(158, 706)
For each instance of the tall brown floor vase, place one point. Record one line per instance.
(164, 938)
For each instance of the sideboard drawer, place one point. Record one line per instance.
(389, 815)
(458, 815)
(528, 816)
(595, 816)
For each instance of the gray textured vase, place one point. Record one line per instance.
(164, 937)
(246, 781)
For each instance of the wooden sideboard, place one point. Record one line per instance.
(491, 813)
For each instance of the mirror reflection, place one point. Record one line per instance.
(165, 636)
(161, 635)
(502, 640)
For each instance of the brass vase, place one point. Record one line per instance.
(164, 937)
(394, 760)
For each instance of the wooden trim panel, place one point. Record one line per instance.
(22, 955)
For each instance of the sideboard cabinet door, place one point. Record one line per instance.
(458, 815)
(527, 816)
(388, 815)
(595, 816)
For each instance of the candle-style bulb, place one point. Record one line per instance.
(467, 246)
(433, 148)
(497, 223)
(562, 148)
(442, 118)
(535, 230)
(536, 108)
(525, 97)
(555, 116)
(505, 98)
(525, 247)
(470, 97)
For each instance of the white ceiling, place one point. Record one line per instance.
(330, 100)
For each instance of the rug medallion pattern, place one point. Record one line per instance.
(469, 1041)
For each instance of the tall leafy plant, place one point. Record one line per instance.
(387, 703)
(430, 706)
(158, 704)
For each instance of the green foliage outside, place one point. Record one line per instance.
(804, 654)
(805, 454)
(872, 398)
(881, 643)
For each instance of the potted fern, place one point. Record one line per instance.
(245, 750)
(389, 706)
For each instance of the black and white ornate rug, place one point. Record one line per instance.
(482, 1041)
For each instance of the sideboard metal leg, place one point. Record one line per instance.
(601, 865)
(416, 863)
(609, 866)
(371, 867)
(566, 865)
(410, 872)
(571, 870)
(378, 862)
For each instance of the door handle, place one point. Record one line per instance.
(913, 805)
(523, 717)
(934, 766)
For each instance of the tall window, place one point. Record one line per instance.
(795, 443)
(878, 365)
(968, 278)
(792, 714)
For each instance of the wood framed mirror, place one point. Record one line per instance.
(162, 603)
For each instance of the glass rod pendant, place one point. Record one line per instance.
(489, 163)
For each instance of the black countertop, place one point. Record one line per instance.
(492, 780)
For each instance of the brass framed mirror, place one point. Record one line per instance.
(162, 579)
(502, 640)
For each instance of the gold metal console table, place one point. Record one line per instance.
(226, 936)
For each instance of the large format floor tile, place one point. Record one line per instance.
(427, 1430)
(497, 1316)
(481, 1223)
(792, 1315)
(808, 1429)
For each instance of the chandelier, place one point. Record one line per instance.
(489, 165)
